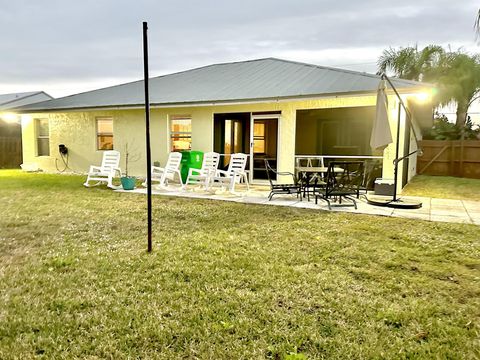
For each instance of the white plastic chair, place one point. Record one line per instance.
(163, 175)
(235, 172)
(105, 172)
(206, 174)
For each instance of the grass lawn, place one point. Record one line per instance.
(226, 280)
(446, 187)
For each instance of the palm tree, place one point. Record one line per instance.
(476, 25)
(456, 74)
(458, 79)
(409, 63)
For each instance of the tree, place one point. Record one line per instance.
(409, 63)
(456, 74)
(458, 78)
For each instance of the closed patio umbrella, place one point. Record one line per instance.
(381, 134)
(381, 137)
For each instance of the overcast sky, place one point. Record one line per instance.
(65, 47)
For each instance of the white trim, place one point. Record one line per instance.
(266, 116)
(252, 121)
(212, 127)
(250, 148)
(96, 132)
(339, 156)
(167, 132)
(36, 124)
(172, 117)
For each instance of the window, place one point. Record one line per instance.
(259, 137)
(104, 134)
(43, 137)
(181, 132)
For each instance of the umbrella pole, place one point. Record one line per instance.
(395, 202)
(397, 150)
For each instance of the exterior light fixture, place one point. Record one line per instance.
(10, 117)
(422, 97)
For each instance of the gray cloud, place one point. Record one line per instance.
(51, 41)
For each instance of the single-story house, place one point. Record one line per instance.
(10, 129)
(269, 108)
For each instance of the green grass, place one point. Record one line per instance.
(226, 280)
(445, 187)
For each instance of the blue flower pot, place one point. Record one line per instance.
(128, 182)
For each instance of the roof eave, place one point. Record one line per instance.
(212, 102)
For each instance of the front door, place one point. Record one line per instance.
(264, 141)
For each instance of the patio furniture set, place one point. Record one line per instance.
(340, 180)
(207, 176)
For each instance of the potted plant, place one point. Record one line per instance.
(128, 182)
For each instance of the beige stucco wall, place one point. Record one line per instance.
(77, 131)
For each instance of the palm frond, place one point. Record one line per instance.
(399, 61)
(476, 26)
(386, 60)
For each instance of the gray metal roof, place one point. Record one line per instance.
(262, 79)
(10, 101)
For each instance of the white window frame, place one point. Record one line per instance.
(179, 134)
(97, 134)
(38, 136)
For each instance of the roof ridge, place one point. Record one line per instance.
(211, 65)
(30, 94)
(154, 77)
(21, 95)
(343, 70)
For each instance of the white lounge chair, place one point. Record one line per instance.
(206, 174)
(105, 172)
(235, 172)
(163, 175)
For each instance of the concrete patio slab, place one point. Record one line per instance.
(449, 211)
(472, 207)
(441, 210)
(422, 213)
(451, 219)
(449, 202)
(422, 210)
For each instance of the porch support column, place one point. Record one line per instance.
(286, 143)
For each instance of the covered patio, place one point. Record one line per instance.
(337, 134)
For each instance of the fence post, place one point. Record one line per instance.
(462, 154)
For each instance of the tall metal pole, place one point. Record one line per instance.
(397, 203)
(397, 150)
(147, 140)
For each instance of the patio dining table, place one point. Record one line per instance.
(315, 169)
(307, 173)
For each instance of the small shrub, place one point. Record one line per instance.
(445, 130)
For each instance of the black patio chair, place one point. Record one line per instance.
(277, 189)
(343, 184)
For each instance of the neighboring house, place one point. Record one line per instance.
(266, 108)
(10, 128)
